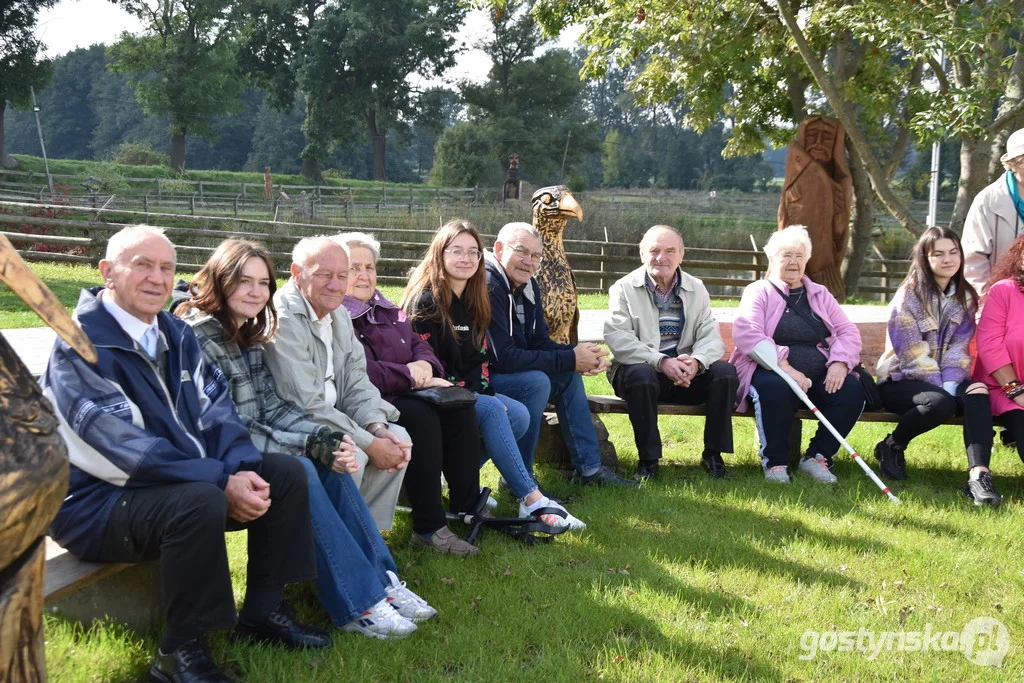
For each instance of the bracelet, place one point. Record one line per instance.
(1011, 384)
(1014, 391)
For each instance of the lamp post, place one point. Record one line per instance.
(39, 127)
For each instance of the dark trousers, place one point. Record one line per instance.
(775, 405)
(446, 441)
(183, 525)
(1013, 420)
(925, 406)
(642, 387)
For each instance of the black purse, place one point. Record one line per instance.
(872, 399)
(445, 397)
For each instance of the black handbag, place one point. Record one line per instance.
(445, 397)
(872, 399)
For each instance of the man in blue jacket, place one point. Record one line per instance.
(529, 366)
(161, 466)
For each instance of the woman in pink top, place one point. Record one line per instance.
(1001, 343)
(817, 345)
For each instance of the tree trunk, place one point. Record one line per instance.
(975, 155)
(1012, 97)
(6, 160)
(312, 170)
(378, 140)
(178, 152)
(863, 222)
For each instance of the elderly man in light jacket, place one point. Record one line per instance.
(996, 217)
(318, 363)
(667, 347)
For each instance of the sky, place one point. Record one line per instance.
(80, 23)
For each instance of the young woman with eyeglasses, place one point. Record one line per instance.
(447, 301)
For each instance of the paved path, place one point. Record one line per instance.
(33, 344)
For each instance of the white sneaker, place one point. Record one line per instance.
(817, 469)
(777, 475)
(405, 602)
(491, 503)
(381, 621)
(570, 522)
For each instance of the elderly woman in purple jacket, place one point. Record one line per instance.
(397, 362)
(924, 373)
(817, 346)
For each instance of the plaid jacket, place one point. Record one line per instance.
(275, 425)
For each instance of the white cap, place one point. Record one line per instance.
(1014, 146)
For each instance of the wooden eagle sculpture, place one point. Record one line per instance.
(552, 207)
(33, 478)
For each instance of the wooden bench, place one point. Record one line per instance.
(86, 591)
(872, 334)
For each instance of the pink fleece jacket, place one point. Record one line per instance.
(998, 343)
(759, 313)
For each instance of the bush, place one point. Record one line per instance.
(140, 154)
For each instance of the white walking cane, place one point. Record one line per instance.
(766, 356)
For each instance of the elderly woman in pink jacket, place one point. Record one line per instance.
(817, 346)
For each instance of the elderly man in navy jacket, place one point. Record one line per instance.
(161, 466)
(530, 367)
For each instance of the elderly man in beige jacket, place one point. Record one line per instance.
(996, 217)
(318, 363)
(667, 347)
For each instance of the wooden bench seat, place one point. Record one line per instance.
(85, 591)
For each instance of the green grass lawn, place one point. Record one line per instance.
(686, 579)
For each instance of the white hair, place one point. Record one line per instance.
(350, 240)
(791, 236)
(308, 248)
(668, 228)
(510, 230)
(128, 237)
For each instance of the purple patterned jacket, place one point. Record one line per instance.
(917, 346)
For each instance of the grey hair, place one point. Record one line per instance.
(510, 230)
(308, 248)
(669, 228)
(348, 240)
(127, 237)
(790, 236)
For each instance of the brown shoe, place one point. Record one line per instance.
(445, 541)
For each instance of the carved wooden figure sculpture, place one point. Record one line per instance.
(33, 478)
(511, 187)
(552, 207)
(817, 193)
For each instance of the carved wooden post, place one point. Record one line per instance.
(33, 461)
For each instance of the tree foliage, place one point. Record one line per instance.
(183, 66)
(21, 67)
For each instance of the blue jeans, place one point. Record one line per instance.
(351, 557)
(534, 389)
(501, 421)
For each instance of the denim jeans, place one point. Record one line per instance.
(351, 557)
(534, 389)
(502, 421)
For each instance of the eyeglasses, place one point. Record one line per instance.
(459, 252)
(523, 252)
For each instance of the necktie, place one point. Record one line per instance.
(149, 341)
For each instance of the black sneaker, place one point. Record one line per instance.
(603, 477)
(982, 491)
(891, 460)
(189, 663)
(647, 469)
(714, 465)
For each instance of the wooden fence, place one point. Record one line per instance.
(81, 236)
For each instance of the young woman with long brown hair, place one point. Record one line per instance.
(449, 306)
(232, 313)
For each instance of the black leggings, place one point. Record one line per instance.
(1013, 420)
(442, 441)
(925, 406)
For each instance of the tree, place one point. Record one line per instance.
(464, 157)
(360, 56)
(20, 65)
(734, 60)
(183, 66)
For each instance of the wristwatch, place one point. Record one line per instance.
(375, 427)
